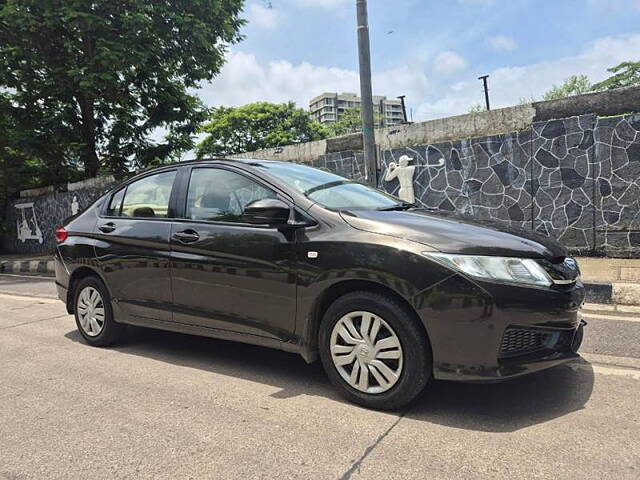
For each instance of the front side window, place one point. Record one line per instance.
(221, 195)
(148, 197)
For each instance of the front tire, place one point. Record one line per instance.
(94, 315)
(374, 351)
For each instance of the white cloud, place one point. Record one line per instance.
(323, 3)
(502, 43)
(264, 18)
(448, 63)
(244, 79)
(509, 84)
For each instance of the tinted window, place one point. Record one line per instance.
(221, 195)
(149, 196)
(116, 203)
(330, 190)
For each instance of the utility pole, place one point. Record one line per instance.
(404, 108)
(364, 55)
(486, 90)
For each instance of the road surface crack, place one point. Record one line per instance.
(33, 321)
(356, 465)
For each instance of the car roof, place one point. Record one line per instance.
(231, 161)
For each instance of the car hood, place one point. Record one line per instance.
(455, 233)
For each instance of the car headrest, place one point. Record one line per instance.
(219, 200)
(144, 212)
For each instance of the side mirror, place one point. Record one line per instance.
(268, 211)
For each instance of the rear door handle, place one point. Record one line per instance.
(187, 236)
(107, 227)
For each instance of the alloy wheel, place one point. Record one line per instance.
(366, 352)
(91, 313)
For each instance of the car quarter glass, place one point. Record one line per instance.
(387, 295)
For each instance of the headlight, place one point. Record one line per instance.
(503, 269)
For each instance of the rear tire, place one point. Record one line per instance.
(388, 375)
(94, 315)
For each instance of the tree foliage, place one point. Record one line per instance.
(626, 74)
(91, 80)
(350, 122)
(17, 170)
(255, 126)
(574, 85)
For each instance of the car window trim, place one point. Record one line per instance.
(181, 214)
(170, 208)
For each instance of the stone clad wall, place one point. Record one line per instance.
(348, 164)
(31, 219)
(567, 168)
(575, 179)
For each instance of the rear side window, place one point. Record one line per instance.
(221, 195)
(147, 197)
(116, 202)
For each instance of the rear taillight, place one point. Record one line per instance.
(61, 234)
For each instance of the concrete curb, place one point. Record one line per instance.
(598, 292)
(42, 267)
(613, 293)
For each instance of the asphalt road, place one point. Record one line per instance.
(164, 405)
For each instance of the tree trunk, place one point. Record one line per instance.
(89, 156)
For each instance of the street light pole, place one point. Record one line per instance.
(366, 93)
(486, 90)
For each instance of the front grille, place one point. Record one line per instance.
(520, 341)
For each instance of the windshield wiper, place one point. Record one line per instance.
(326, 186)
(398, 206)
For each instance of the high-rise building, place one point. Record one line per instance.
(329, 107)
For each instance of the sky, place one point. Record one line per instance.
(432, 51)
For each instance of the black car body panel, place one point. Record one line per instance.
(451, 233)
(269, 285)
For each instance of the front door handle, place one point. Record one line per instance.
(187, 236)
(107, 227)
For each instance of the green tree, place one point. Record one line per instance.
(627, 74)
(17, 170)
(350, 122)
(476, 108)
(93, 79)
(574, 85)
(257, 125)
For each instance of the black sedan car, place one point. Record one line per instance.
(283, 255)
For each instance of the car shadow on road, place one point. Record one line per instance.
(500, 407)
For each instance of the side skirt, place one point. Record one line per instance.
(213, 333)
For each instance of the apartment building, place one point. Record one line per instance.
(329, 107)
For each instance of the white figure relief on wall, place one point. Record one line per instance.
(404, 173)
(75, 206)
(27, 224)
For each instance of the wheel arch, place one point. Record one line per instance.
(335, 291)
(77, 275)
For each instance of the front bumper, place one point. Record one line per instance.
(489, 332)
(565, 350)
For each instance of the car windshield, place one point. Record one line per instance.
(330, 190)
